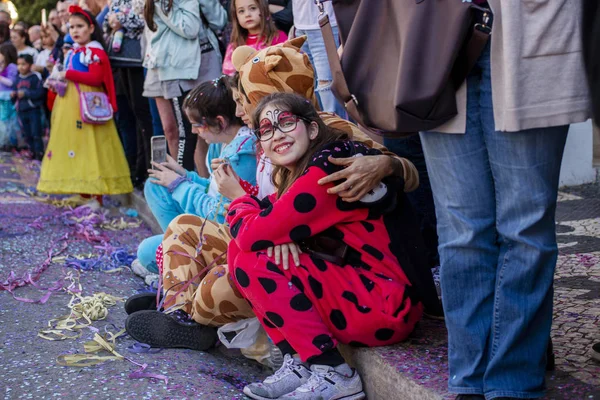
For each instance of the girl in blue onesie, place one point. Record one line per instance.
(172, 191)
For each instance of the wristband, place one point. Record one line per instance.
(173, 185)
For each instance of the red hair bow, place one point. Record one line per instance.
(75, 9)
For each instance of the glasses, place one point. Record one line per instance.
(286, 122)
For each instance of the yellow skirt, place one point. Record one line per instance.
(82, 158)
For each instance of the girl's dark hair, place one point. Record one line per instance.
(211, 99)
(165, 5)
(282, 177)
(24, 34)
(9, 52)
(4, 32)
(87, 17)
(239, 35)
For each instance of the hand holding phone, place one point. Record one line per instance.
(158, 145)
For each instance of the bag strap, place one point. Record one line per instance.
(339, 84)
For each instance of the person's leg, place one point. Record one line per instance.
(196, 249)
(157, 129)
(169, 124)
(24, 123)
(36, 132)
(146, 253)
(525, 166)
(464, 196)
(143, 120)
(323, 72)
(187, 140)
(161, 203)
(421, 198)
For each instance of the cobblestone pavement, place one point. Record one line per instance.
(576, 323)
(28, 363)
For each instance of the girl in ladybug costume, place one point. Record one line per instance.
(345, 283)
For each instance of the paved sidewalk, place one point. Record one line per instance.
(28, 368)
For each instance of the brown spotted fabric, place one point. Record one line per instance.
(196, 250)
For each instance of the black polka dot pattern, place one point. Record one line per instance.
(271, 266)
(300, 233)
(316, 287)
(297, 283)
(373, 251)
(369, 284)
(368, 226)
(242, 277)
(275, 318)
(338, 320)
(261, 245)
(235, 228)
(268, 323)
(323, 342)
(231, 213)
(354, 343)
(300, 302)
(268, 284)
(351, 297)
(320, 264)
(384, 334)
(304, 203)
(335, 233)
(266, 211)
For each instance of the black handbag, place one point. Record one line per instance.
(130, 55)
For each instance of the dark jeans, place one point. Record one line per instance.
(422, 198)
(130, 83)
(31, 125)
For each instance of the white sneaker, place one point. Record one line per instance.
(290, 376)
(152, 280)
(329, 383)
(139, 269)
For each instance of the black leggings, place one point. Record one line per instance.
(187, 140)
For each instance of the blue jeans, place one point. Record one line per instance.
(31, 125)
(164, 209)
(315, 48)
(495, 200)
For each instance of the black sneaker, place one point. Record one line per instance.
(139, 302)
(175, 330)
(596, 351)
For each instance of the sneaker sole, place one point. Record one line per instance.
(248, 393)
(139, 302)
(160, 330)
(356, 396)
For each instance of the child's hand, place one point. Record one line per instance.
(228, 183)
(215, 163)
(174, 166)
(62, 75)
(162, 175)
(20, 94)
(283, 253)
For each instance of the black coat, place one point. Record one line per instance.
(591, 51)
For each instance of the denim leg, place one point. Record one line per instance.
(464, 197)
(26, 128)
(525, 166)
(322, 70)
(161, 203)
(146, 253)
(35, 121)
(421, 198)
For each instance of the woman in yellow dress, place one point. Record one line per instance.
(84, 158)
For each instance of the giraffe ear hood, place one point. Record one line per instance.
(277, 69)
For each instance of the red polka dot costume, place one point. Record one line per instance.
(365, 300)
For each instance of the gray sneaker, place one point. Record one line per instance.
(290, 376)
(329, 383)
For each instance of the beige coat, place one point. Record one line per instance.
(537, 68)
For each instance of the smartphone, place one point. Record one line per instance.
(44, 17)
(158, 145)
